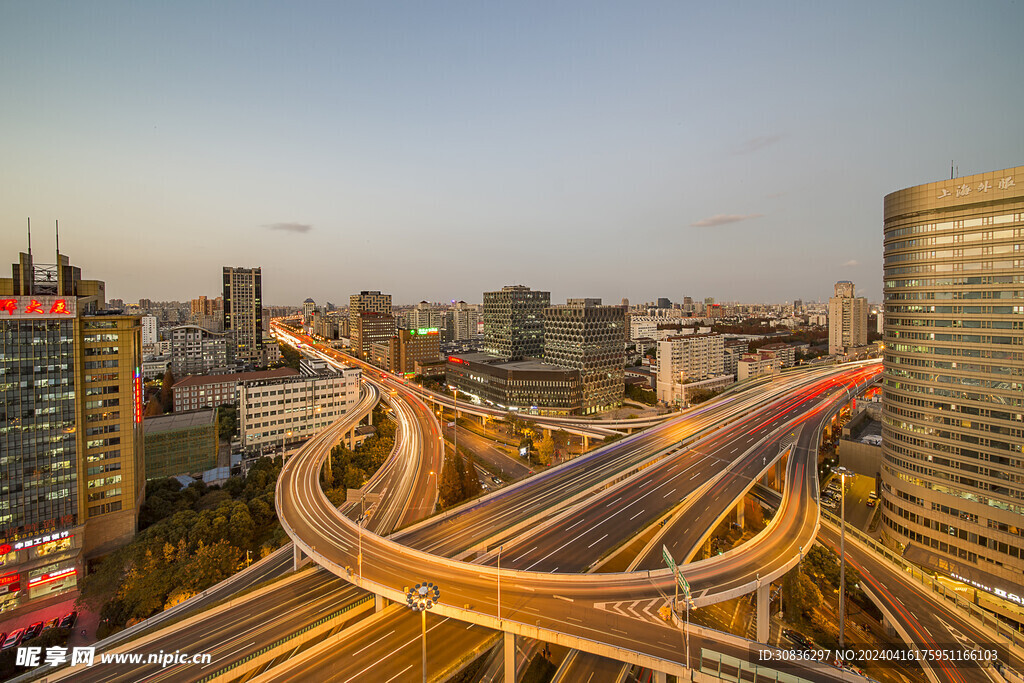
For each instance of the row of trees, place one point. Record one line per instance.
(190, 539)
(458, 480)
(349, 469)
(802, 591)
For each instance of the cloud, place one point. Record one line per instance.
(724, 218)
(291, 227)
(760, 142)
(851, 263)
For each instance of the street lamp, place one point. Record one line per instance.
(842, 472)
(437, 489)
(420, 598)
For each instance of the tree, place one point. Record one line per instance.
(800, 594)
(450, 486)
(154, 407)
(545, 450)
(166, 394)
(470, 483)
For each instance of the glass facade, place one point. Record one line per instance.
(953, 408)
(38, 477)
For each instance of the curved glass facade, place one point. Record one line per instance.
(953, 470)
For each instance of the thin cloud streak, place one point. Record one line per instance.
(851, 263)
(291, 227)
(724, 219)
(758, 143)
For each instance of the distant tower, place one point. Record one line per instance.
(847, 319)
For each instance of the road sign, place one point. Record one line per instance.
(685, 586)
(668, 558)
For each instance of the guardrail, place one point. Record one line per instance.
(292, 636)
(760, 673)
(967, 608)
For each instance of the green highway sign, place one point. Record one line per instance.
(668, 558)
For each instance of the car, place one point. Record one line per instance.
(871, 502)
(496, 480)
(835, 486)
(32, 631)
(52, 623)
(872, 496)
(69, 620)
(798, 639)
(13, 640)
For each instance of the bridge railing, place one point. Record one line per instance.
(968, 609)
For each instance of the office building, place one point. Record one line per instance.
(687, 359)
(197, 351)
(847, 319)
(591, 338)
(243, 312)
(953, 396)
(366, 302)
(528, 386)
(70, 429)
(514, 322)
(416, 346)
(278, 411)
(371, 328)
(211, 391)
(181, 443)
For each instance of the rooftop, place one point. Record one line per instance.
(199, 380)
(175, 421)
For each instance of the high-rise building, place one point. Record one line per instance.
(308, 309)
(586, 336)
(953, 394)
(243, 312)
(465, 321)
(514, 322)
(197, 351)
(70, 429)
(424, 315)
(371, 328)
(366, 302)
(149, 330)
(847, 319)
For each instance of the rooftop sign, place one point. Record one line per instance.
(22, 307)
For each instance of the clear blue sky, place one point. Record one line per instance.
(437, 150)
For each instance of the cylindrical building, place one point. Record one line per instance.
(953, 476)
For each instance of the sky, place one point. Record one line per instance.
(736, 150)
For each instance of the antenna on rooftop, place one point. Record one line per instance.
(29, 235)
(56, 230)
(950, 169)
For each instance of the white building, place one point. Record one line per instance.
(757, 364)
(686, 359)
(279, 411)
(149, 331)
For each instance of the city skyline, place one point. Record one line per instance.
(403, 148)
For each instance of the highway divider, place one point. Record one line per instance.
(264, 655)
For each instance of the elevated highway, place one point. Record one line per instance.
(563, 604)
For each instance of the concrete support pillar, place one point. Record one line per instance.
(547, 432)
(379, 603)
(660, 677)
(763, 597)
(298, 559)
(510, 657)
(369, 417)
(352, 439)
(740, 508)
(778, 476)
(586, 442)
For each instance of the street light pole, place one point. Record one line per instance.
(420, 598)
(842, 559)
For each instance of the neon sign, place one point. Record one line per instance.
(456, 359)
(52, 576)
(39, 540)
(9, 579)
(137, 395)
(37, 307)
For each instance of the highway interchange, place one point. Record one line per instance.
(575, 497)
